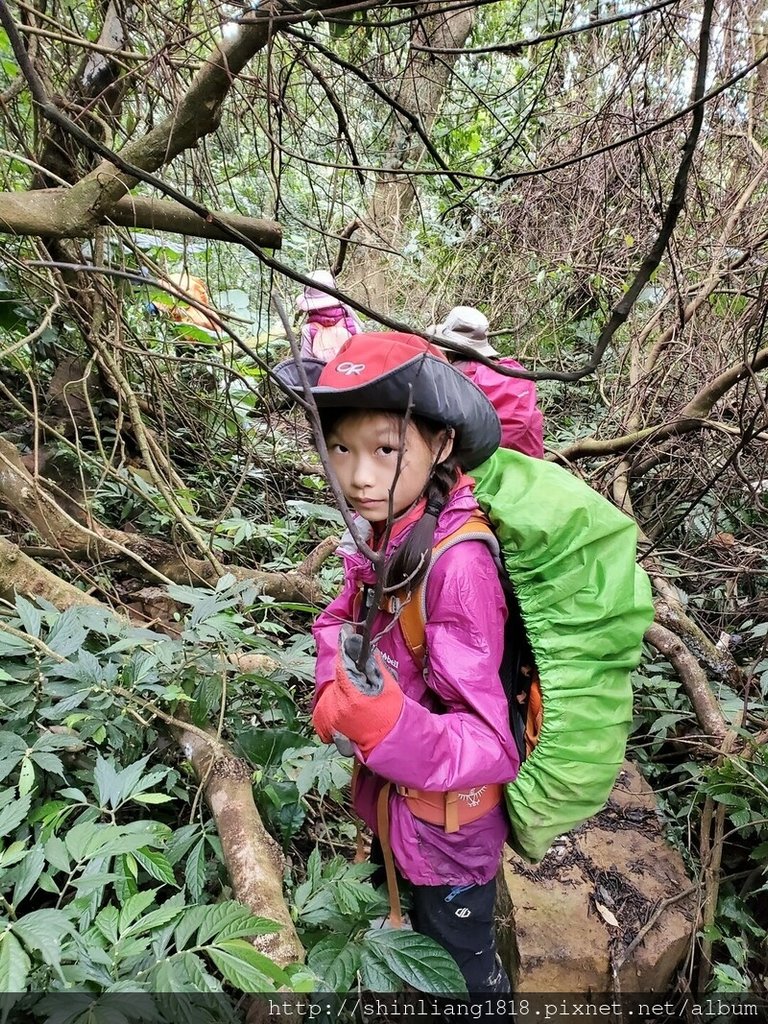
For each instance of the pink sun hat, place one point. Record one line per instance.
(316, 297)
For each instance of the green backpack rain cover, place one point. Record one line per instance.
(586, 604)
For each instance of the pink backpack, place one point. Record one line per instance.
(327, 340)
(516, 404)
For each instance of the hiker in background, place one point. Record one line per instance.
(433, 743)
(329, 322)
(513, 398)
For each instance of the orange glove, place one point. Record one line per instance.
(364, 707)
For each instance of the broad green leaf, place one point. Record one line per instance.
(90, 839)
(89, 883)
(135, 906)
(56, 854)
(13, 814)
(181, 841)
(11, 743)
(14, 964)
(336, 961)
(28, 873)
(67, 634)
(173, 976)
(48, 762)
(152, 798)
(30, 616)
(105, 779)
(8, 764)
(26, 777)
(239, 967)
(156, 866)
(49, 742)
(107, 922)
(154, 919)
(221, 921)
(202, 980)
(194, 870)
(44, 931)
(13, 854)
(416, 959)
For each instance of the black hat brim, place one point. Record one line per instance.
(437, 391)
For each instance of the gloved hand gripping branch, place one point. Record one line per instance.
(370, 682)
(360, 705)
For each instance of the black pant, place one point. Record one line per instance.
(460, 918)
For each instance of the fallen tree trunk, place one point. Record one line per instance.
(20, 574)
(253, 859)
(149, 557)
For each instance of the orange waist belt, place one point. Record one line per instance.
(452, 809)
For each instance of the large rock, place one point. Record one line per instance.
(567, 918)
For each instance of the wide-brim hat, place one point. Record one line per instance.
(386, 370)
(467, 328)
(316, 298)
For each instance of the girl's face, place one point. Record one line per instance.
(363, 448)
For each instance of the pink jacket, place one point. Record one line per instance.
(453, 731)
(514, 400)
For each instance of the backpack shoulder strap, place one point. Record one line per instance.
(413, 611)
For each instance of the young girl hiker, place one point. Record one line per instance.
(329, 323)
(432, 741)
(513, 398)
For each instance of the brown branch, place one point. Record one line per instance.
(47, 213)
(320, 554)
(253, 859)
(691, 417)
(149, 557)
(693, 678)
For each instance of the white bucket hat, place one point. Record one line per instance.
(316, 298)
(467, 327)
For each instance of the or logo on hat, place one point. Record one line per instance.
(350, 369)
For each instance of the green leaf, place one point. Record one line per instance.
(152, 798)
(184, 972)
(89, 839)
(106, 780)
(11, 743)
(7, 764)
(267, 746)
(107, 921)
(44, 931)
(156, 865)
(14, 964)
(416, 959)
(26, 777)
(336, 961)
(135, 906)
(28, 873)
(194, 870)
(56, 854)
(242, 966)
(155, 919)
(30, 616)
(13, 814)
(221, 921)
(48, 762)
